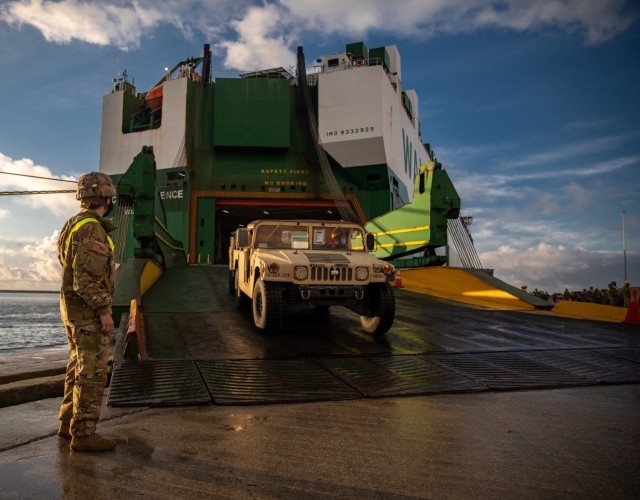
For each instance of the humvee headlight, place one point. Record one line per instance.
(300, 273)
(383, 268)
(362, 273)
(273, 268)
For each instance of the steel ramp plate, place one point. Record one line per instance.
(501, 370)
(595, 365)
(189, 289)
(271, 381)
(156, 383)
(628, 354)
(398, 376)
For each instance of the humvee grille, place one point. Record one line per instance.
(327, 257)
(324, 273)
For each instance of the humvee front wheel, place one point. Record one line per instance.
(268, 307)
(382, 303)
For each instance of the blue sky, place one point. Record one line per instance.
(532, 106)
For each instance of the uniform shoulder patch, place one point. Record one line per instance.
(98, 247)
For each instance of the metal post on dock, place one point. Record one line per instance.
(624, 246)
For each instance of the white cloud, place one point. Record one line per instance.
(60, 204)
(4, 213)
(589, 124)
(575, 150)
(553, 268)
(596, 20)
(97, 23)
(32, 266)
(474, 187)
(260, 41)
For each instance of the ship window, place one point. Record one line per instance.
(421, 184)
(332, 63)
(395, 182)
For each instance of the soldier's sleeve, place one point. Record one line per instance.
(90, 267)
(61, 238)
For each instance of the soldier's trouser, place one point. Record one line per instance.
(85, 380)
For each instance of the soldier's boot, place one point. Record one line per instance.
(63, 431)
(92, 443)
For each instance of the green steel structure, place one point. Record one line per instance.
(221, 153)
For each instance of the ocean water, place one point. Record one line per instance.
(30, 320)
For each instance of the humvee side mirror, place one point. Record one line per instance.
(371, 242)
(243, 237)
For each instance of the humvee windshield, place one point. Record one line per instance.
(283, 236)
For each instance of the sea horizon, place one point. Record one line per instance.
(30, 319)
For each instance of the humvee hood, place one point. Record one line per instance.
(307, 257)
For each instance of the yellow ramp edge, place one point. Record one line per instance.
(457, 284)
(150, 274)
(587, 310)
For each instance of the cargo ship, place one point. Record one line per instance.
(341, 139)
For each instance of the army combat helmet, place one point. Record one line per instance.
(95, 185)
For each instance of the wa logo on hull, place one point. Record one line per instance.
(411, 160)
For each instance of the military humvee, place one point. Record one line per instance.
(280, 265)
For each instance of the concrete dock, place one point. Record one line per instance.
(562, 443)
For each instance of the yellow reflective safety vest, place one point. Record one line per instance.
(77, 226)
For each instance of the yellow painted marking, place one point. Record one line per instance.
(167, 243)
(456, 284)
(405, 244)
(161, 225)
(588, 310)
(151, 272)
(492, 294)
(398, 231)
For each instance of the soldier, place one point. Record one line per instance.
(338, 238)
(85, 252)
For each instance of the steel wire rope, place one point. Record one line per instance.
(18, 193)
(456, 244)
(463, 244)
(464, 247)
(122, 221)
(453, 231)
(344, 207)
(38, 177)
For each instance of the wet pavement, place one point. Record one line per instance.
(561, 443)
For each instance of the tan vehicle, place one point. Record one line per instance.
(283, 264)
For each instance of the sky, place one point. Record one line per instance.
(532, 106)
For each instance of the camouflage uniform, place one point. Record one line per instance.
(86, 254)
